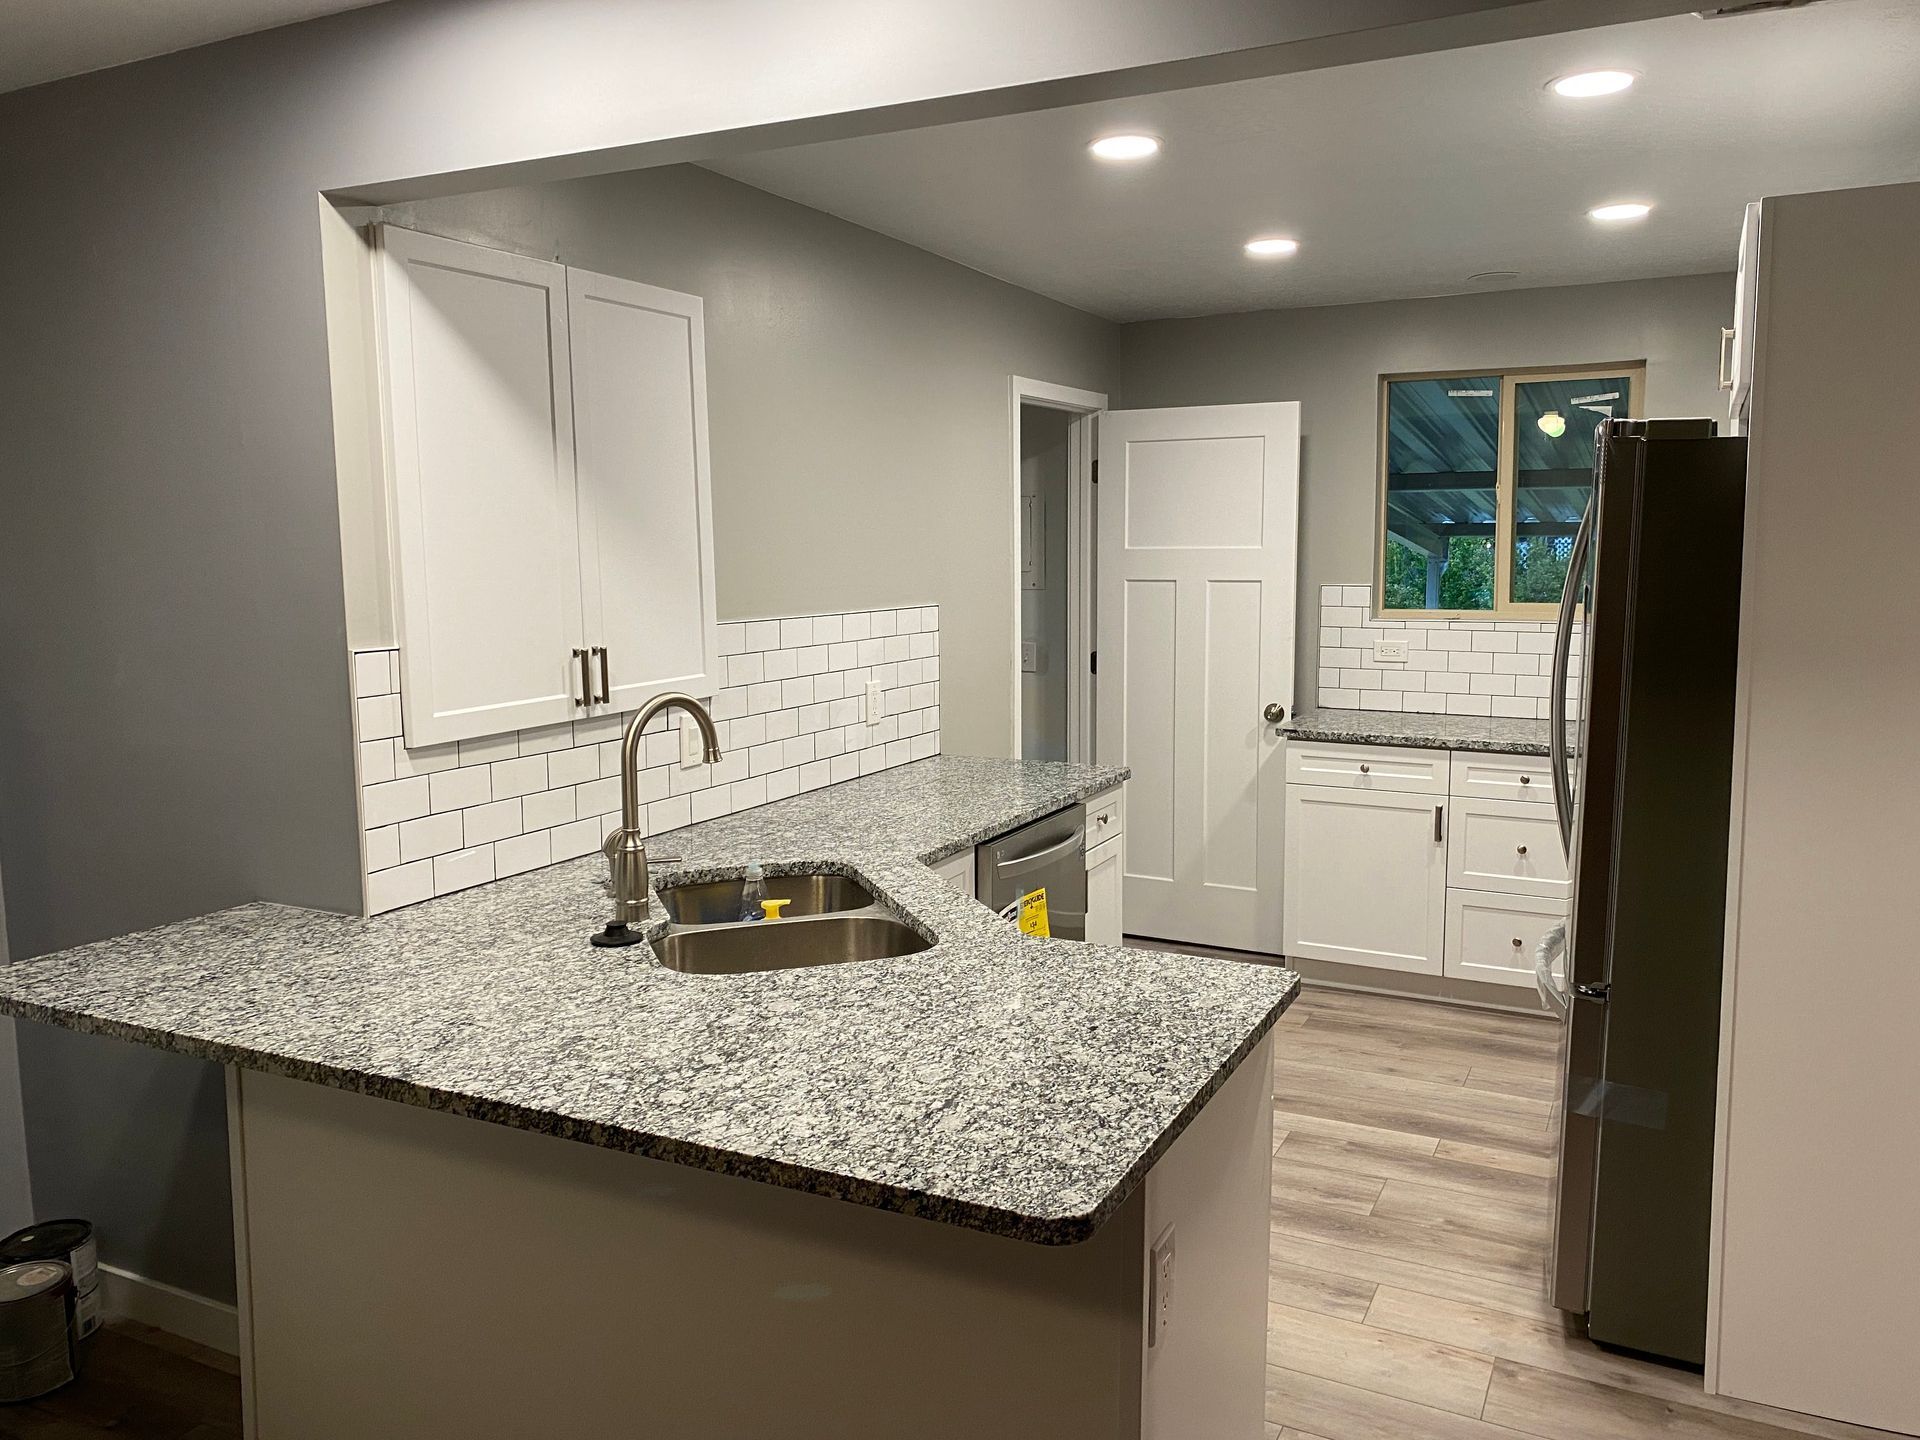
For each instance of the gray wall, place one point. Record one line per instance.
(1331, 359)
(1819, 1154)
(857, 391)
(1043, 612)
(174, 731)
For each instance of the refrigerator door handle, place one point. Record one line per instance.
(1562, 660)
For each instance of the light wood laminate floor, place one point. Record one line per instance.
(1411, 1214)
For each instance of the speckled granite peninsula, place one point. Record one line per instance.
(1496, 735)
(1017, 1086)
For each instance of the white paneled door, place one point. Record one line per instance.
(480, 424)
(1198, 525)
(646, 523)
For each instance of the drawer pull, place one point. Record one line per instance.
(1439, 824)
(1520, 849)
(1366, 769)
(1516, 942)
(1526, 779)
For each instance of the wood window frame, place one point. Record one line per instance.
(1511, 378)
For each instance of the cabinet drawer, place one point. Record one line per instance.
(1367, 767)
(1104, 816)
(1512, 846)
(1502, 777)
(1492, 937)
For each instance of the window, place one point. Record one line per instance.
(1483, 479)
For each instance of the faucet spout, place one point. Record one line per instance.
(626, 848)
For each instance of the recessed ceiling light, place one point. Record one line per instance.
(1270, 245)
(1624, 210)
(1588, 83)
(1125, 147)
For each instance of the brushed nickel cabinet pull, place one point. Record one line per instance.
(585, 697)
(606, 688)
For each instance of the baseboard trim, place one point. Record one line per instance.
(212, 1323)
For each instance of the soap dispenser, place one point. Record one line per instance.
(754, 892)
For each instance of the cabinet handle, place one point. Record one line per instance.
(1526, 779)
(606, 689)
(1439, 824)
(585, 697)
(1519, 849)
(1366, 769)
(1516, 942)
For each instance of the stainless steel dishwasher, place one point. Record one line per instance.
(1049, 854)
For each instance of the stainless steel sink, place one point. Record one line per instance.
(718, 902)
(786, 944)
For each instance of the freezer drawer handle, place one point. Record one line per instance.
(1593, 990)
(1022, 864)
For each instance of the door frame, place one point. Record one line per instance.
(1082, 452)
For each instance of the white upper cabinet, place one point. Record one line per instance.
(479, 420)
(640, 447)
(549, 489)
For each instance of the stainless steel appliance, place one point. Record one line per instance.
(1049, 854)
(1642, 782)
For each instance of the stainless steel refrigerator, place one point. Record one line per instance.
(1642, 783)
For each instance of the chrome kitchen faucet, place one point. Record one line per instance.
(626, 848)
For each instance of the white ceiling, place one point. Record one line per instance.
(1400, 177)
(43, 40)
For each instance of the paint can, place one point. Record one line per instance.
(71, 1243)
(36, 1329)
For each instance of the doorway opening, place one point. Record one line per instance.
(1054, 445)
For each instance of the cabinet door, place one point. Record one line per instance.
(646, 523)
(1104, 890)
(479, 430)
(1366, 877)
(957, 871)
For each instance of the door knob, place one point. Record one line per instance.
(1275, 714)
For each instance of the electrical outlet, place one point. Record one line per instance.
(691, 750)
(875, 705)
(1160, 1288)
(1388, 651)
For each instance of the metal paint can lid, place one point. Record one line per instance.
(49, 1240)
(32, 1279)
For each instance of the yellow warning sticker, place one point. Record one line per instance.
(1033, 913)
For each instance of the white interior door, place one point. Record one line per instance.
(1198, 521)
(646, 515)
(480, 429)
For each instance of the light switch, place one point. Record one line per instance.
(1030, 657)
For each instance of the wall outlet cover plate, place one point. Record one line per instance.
(1389, 650)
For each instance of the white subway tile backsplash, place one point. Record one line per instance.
(430, 835)
(1462, 667)
(457, 789)
(445, 817)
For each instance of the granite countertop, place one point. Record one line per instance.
(1434, 732)
(996, 1081)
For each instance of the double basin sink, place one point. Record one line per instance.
(829, 920)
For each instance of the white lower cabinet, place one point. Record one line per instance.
(1104, 877)
(1398, 860)
(1366, 879)
(1493, 937)
(957, 871)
